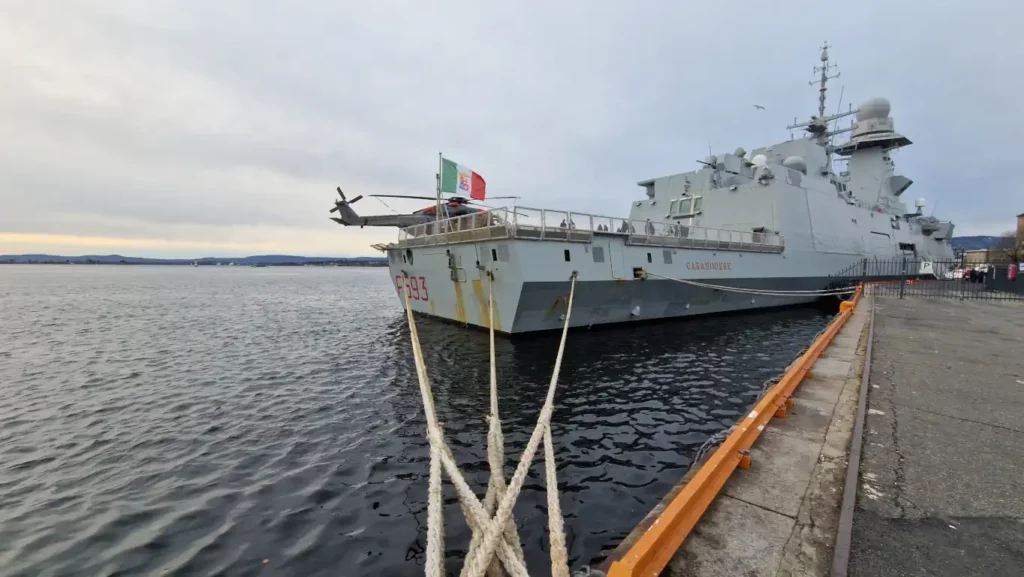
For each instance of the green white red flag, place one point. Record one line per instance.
(461, 180)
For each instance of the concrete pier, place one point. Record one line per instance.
(941, 487)
(940, 484)
(779, 517)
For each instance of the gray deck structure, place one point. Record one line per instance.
(784, 218)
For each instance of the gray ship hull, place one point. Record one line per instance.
(609, 302)
(531, 281)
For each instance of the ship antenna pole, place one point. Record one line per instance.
(832, 133)
(824, 69)
(440, 171)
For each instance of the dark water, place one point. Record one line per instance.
(198, 421)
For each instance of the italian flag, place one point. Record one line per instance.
(458, 179)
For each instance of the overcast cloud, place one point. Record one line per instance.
(194, 127)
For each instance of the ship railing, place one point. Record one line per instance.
(491, 225)
(541, 224)
(665, 234)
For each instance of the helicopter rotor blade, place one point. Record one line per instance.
(402, 196)
(335, 209)
(353, 201)
(341, 193)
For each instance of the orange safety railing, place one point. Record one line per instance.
(649, 555)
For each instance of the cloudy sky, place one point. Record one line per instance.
(193, 128)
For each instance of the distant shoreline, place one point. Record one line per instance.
(253, 260)
(96, 263)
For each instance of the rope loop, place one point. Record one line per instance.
(495, 547)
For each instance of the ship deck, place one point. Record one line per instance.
(553, 225)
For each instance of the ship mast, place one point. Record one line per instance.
(824, 69)
(817, 126)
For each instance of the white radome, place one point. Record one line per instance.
(874, 108)
(796, 163)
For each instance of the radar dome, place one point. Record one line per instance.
(712, 160)
(920, 203)
(759, 160)
(873, 108)
(796, 163)
(740, 152)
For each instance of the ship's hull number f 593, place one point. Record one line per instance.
(417, 287)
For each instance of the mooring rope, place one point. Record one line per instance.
(493, 530)
(763, 292)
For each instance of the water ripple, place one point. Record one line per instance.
(200, 421)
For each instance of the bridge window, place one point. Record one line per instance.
(685, 207)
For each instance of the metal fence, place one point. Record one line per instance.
(913, 277)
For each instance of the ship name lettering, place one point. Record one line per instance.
(708, 265)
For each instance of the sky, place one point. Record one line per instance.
(192, 128)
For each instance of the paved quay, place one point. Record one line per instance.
(941, 488)
(779, 517)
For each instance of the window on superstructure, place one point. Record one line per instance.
(566, 255)
(649, 259)
(686, 207)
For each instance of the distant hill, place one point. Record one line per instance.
(257, 260)
(973, 242)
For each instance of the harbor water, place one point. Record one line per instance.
(243, 421)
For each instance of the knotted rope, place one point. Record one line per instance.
(493, 528)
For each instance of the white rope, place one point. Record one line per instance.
(493, 531)
(496, 449)
(474, 565)
(476, 516)
(763, 292)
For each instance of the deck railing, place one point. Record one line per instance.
(542, 224)
(648, 233)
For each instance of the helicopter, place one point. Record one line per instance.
(451, 207)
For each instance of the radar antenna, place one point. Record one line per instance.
(824, 69)
(818, 125)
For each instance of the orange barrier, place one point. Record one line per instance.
(649, 555)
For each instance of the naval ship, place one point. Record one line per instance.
(787, 217)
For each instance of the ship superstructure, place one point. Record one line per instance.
(781, 218)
